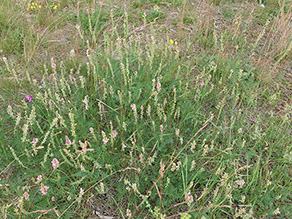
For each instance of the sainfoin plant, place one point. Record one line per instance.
(79, 132)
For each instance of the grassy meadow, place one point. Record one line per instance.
(145, 109)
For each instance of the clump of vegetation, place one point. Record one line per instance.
(145, 115)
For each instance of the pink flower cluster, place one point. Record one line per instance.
(133, 106)
(39, 178)
(44, 189)
(55, 163)
(105, 140)
(26, 196)
(189, 198)
(114, 133)
(158, 86)
(28, 98)
(35, 140)
(68, 141)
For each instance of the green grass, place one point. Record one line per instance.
(132, 116)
